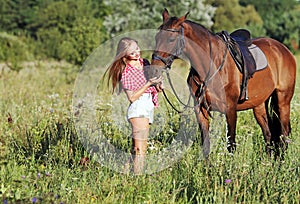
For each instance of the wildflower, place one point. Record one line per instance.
(48, 174)
(34, 200)
(227, 181)
(39, 175)
(53, 96)
(5, 202)
(23, 177)
(84, 161)
(9, 118)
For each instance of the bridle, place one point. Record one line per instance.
(177, 50)
(201, 85)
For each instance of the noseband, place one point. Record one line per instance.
(175, 52)
(202, 85)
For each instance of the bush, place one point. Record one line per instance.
(82, 39)
(13, 50)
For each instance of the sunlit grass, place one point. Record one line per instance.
(41, 154)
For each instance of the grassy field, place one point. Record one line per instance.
(41, 155)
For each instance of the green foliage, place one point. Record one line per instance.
(230, 15)
(292, 25)
(16, 15)
(83, 38)
(67, 30)
(40, 154)
(13, 50)
(127, 16)
(70, 30)
(281, 19)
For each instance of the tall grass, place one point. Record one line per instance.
(43, 161)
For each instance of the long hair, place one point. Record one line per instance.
(117, 67)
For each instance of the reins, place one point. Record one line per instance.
(178, 50)
(176, 95)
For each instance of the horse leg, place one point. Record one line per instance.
(231, 117)
(284, 99)
(261, 117)
(203, 120)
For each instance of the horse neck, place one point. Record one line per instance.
(200, 48)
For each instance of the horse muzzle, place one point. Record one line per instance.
(153, 71)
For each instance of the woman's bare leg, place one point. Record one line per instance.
(140, 133)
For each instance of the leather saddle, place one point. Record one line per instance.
(238, 43)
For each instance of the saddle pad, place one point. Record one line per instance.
(259, 57)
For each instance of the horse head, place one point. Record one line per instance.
(169, 43)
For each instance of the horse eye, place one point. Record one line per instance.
(170, 40)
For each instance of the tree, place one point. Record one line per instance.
(16, 15)
(68, 30)
(60, 29)
(83, 38)
(230, 15)
(13, 50)
(281, 19)
(132, 15)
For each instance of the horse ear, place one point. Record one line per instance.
(182, 19)
(165, 15)
(186, 15)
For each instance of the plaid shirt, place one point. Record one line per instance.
(133, 79)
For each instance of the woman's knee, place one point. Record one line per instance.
(139, 147)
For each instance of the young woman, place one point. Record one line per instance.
(128, 71)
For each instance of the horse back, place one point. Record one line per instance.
(280, 60)
(280, 73)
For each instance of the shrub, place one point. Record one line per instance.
(13, 50)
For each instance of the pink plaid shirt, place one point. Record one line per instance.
(133, 79)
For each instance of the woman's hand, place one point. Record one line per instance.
(160, 86)
(154, 81)
(134, 95)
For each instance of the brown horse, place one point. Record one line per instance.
(215, 82)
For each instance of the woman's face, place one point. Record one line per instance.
(134, 52)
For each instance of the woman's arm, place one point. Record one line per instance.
(134, 95)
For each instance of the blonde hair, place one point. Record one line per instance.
(117, 67)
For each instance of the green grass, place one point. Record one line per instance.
(41, 153)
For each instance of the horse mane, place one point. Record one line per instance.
(170, 22)
(192, 23)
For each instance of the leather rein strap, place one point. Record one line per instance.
(178, 50)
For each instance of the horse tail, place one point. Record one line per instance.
(274, 119)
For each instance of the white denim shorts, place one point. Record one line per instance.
(142, 108)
